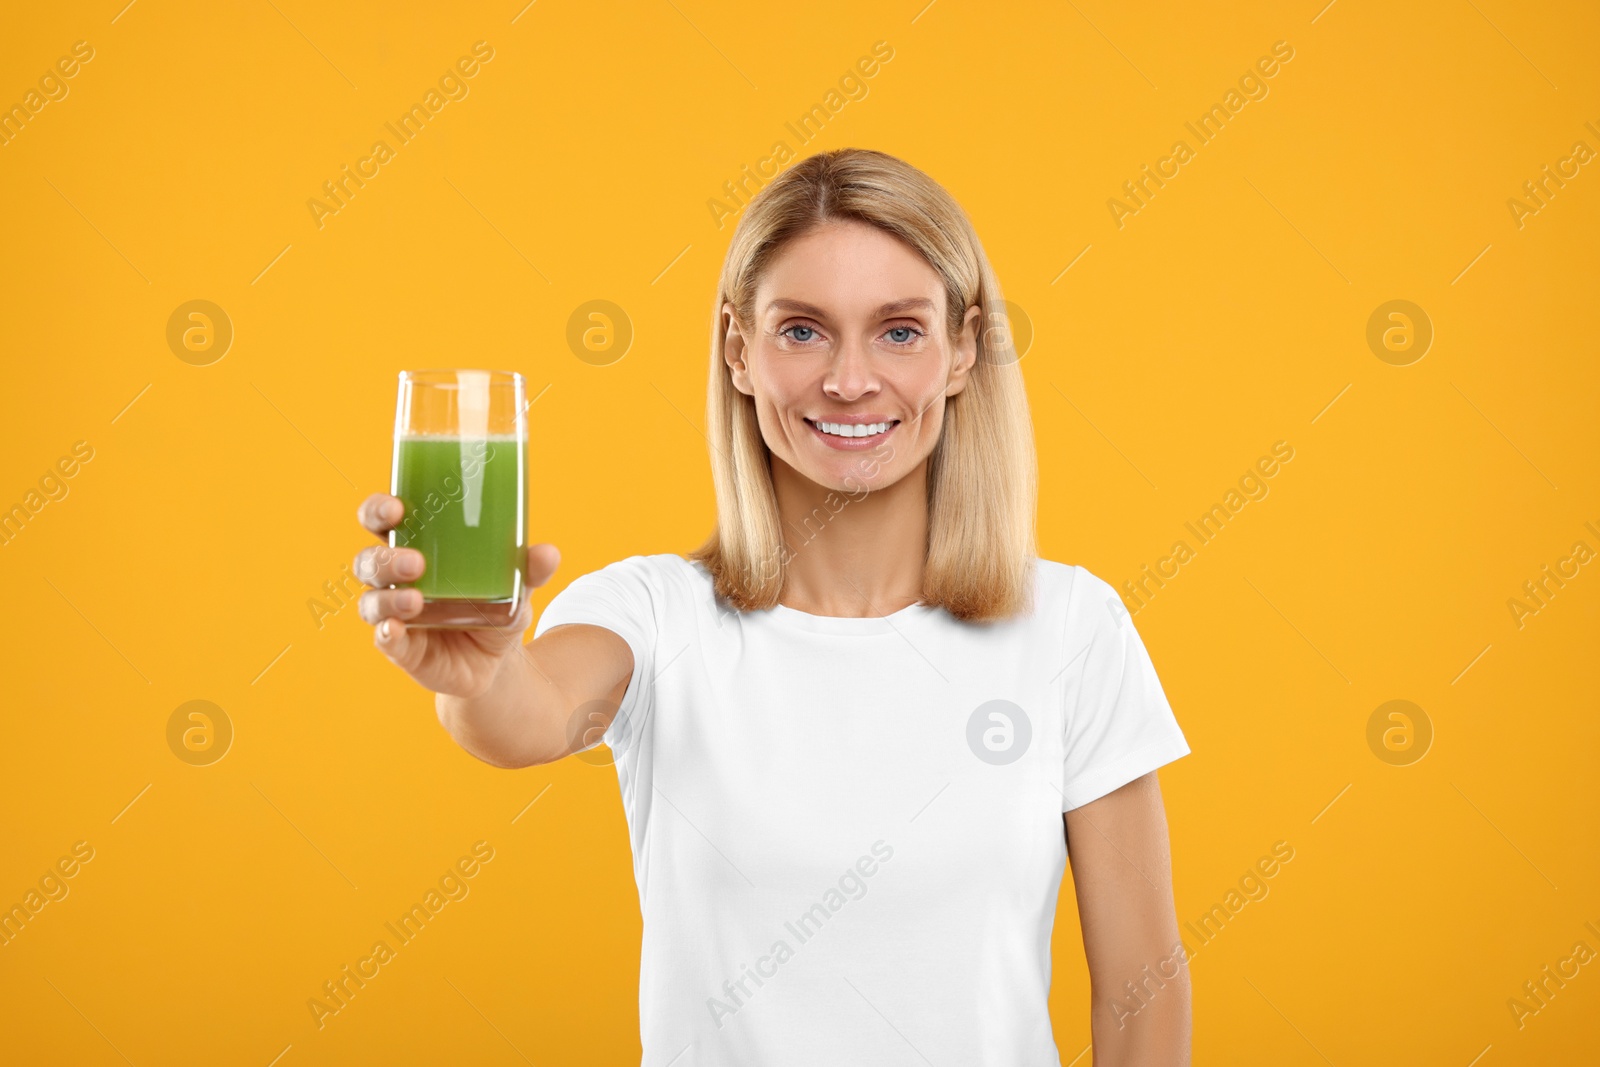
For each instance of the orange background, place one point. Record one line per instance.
(1229, 313)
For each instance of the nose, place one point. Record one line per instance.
(851, 374)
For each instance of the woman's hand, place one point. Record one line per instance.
(455, 662)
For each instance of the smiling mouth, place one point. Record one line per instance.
(851, 437)
(845, 431)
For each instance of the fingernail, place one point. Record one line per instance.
(408, 566)
(383, 630)
(392, 510)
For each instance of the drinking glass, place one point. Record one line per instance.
(460, 468)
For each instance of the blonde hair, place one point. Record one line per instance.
(982, 476)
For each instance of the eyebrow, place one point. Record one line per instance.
(894, 307)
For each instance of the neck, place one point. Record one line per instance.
(852, 554)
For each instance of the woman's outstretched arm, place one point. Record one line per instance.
(509, 704)
(1138, 975)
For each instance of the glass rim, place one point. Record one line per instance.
(435, 376)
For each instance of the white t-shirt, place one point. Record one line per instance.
(847, 832)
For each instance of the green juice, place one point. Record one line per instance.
(464, 513)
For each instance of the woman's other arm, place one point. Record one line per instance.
(1138, 974)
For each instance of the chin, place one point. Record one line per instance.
(853, 478)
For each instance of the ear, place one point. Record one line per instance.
(734, 350)
(966, 351)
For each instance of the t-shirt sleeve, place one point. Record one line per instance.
(623, 597)
(1118, 724)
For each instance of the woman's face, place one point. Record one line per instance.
(849, 332)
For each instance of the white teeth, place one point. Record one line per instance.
(840, 429)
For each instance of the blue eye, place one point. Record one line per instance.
(802, 340)
(902, 329)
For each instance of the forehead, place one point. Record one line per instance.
(849, 269)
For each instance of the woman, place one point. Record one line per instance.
(844, 726)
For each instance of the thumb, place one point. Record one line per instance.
(542, 562)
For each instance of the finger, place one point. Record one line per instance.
(381, 513)
(394, 640)
(376, 605)
(382, 565)
(521, 621)
(542, 562)
(498, 634)
(508, 636)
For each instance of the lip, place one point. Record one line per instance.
(853, 444)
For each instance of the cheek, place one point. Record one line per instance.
(775, 404)
(783, 382)
(919, 386)
(771, 421)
